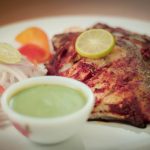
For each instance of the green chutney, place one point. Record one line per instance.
(47, 101)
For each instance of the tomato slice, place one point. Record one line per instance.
(35, 53)
(2, 89)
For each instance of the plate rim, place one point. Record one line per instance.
(110, 125)
(72, 16)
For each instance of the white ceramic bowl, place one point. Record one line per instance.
(49, 130)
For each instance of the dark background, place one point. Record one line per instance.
(17, 10)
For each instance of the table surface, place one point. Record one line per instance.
(18, 10)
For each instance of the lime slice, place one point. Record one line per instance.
(9, 54)
(95, 43)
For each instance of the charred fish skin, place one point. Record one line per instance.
(120, 81)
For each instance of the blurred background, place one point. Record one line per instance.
(18, 10)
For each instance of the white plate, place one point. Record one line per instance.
(94, 136)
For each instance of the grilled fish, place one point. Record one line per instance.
(120, 81)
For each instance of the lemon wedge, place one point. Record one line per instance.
(95, 43)
(9, 54)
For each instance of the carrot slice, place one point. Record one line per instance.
(35, 53)
(35, 36)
